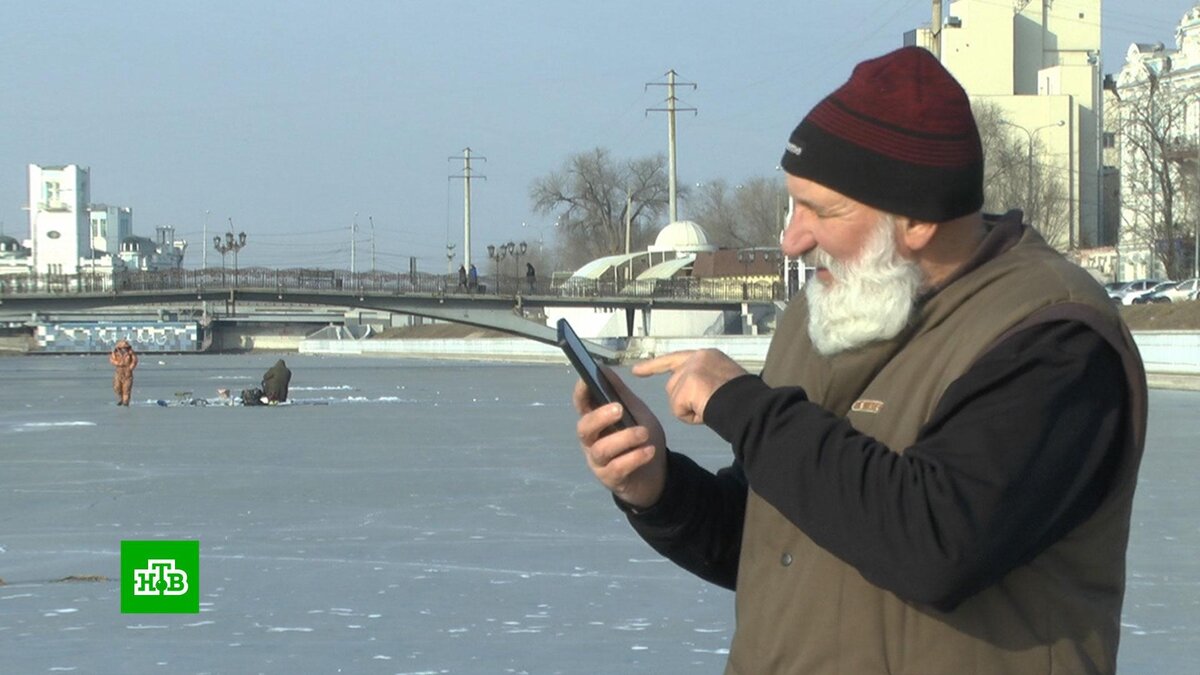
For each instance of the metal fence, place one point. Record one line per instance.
(313, 279)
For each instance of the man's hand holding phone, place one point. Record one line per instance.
(622, 440)
(629, 461)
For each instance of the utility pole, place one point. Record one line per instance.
(628, 230)
(353, 238)
(466, 176)
(204, 248)
(628, 220)
(671, 109)
(372, 220)
(1152, 122)
(936, 29)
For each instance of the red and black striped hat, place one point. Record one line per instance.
(899, 136)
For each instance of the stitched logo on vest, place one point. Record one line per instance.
(865, 406)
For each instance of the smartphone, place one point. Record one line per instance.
(589, 372)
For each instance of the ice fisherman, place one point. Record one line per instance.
(124, 360)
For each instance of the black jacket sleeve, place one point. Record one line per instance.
(1019, 451)
(697, 522)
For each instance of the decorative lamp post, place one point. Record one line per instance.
(498, 253)
(231, 243)
(217, 245)
(519, 250)
(746, 257)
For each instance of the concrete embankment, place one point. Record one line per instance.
(749, 351)
(1172, 358)
(18, 343)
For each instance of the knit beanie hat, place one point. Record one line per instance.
(898, 136)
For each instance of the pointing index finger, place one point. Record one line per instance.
(661, 364)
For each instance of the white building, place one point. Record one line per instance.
(1039, 63)
(671, 256)
(58, 218)
(1154, 122)
(153, 255)
(15, 259)
(110, 225)
(77, 244)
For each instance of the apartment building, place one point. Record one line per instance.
(1039, 63)
(1153, 128)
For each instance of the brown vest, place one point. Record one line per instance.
(802, 610)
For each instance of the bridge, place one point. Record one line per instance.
(496, 303)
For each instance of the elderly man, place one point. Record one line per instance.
(935, 470)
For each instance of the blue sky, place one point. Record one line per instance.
(291, 118)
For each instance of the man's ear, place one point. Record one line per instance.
(915, 235)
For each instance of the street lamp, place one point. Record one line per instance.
(497, 253)
(1031, 135)
(230, 243)
(746, 257)
(517, 250)
(217, 245)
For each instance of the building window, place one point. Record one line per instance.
(50, 193)
(1110, 139)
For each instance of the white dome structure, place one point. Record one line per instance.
(681, 236)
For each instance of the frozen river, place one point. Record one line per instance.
(405, 517)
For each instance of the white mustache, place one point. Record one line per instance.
(818, 258)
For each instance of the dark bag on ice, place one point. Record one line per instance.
(252, 396)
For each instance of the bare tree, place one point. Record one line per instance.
(1157, 170)
(1018, 175)
(712, 207)
(587, 196)
(749, 214)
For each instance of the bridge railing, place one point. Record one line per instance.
(315, 279)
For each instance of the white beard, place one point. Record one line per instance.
(870, 299)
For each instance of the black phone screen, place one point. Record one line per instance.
(589, 370)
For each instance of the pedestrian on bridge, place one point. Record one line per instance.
(530, 276)
(124, 360)
(462, 278)
(473, 279)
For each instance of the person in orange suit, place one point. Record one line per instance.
(124, 360)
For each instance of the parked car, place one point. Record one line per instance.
(1127, 291)
(1155, 294)
(1184, 290)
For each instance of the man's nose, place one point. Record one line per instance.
(797, 238)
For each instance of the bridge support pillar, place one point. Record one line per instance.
(748, 325)
(629, 312)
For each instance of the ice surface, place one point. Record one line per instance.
(425, 517)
